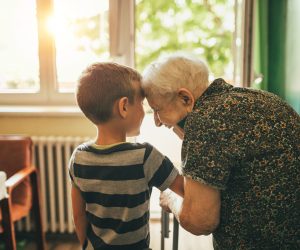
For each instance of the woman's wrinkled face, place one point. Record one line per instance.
(167, 112)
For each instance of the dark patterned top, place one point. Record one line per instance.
(246, 143)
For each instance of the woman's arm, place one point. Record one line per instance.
(199, 211)
(79, 216)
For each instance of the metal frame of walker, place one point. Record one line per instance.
(165, 220)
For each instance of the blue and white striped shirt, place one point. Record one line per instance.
(116, 184)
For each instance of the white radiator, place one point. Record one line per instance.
(51, 156)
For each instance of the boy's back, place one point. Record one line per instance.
(116, 183)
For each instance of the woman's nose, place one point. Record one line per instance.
(157, 121)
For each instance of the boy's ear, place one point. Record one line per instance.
(186, 98)
(123, 106)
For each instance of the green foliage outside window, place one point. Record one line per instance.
(204, 28)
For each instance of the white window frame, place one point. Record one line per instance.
(121, 48)
(243, 43)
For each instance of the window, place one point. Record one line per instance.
(19, 63)
(203, 28)
(81, 37)
(45, 44)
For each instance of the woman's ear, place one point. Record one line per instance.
(186, 98)
(123, 106)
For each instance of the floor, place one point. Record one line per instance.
(186, 241)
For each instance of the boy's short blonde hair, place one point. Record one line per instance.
(101, 85)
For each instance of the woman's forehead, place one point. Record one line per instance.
(153, 102)
(157, 101)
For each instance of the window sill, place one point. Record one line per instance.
(40, 111)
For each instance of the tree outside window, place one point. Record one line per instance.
(204, 28)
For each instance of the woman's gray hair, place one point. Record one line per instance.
(164, 77)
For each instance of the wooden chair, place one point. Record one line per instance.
(22, 188)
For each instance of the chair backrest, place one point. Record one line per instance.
(15, 154)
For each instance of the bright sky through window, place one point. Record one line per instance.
(80, 30)
(19, 69)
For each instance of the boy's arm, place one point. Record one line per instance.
(177, 185)
(79, 216)
(178, 131)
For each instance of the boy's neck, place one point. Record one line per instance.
(108, 134)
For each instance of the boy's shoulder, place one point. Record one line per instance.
(90, 146)
(89, 151)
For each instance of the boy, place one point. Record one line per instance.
(111, 178)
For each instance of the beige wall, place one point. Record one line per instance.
(43, 125)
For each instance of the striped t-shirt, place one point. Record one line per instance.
(116, 184)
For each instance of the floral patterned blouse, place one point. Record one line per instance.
(246, 143)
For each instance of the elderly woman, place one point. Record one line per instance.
(240, 157)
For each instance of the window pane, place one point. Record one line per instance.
(204, 28)
(81, 37)
(19, 63)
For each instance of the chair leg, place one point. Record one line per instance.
(8, 225)
(36, 206)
